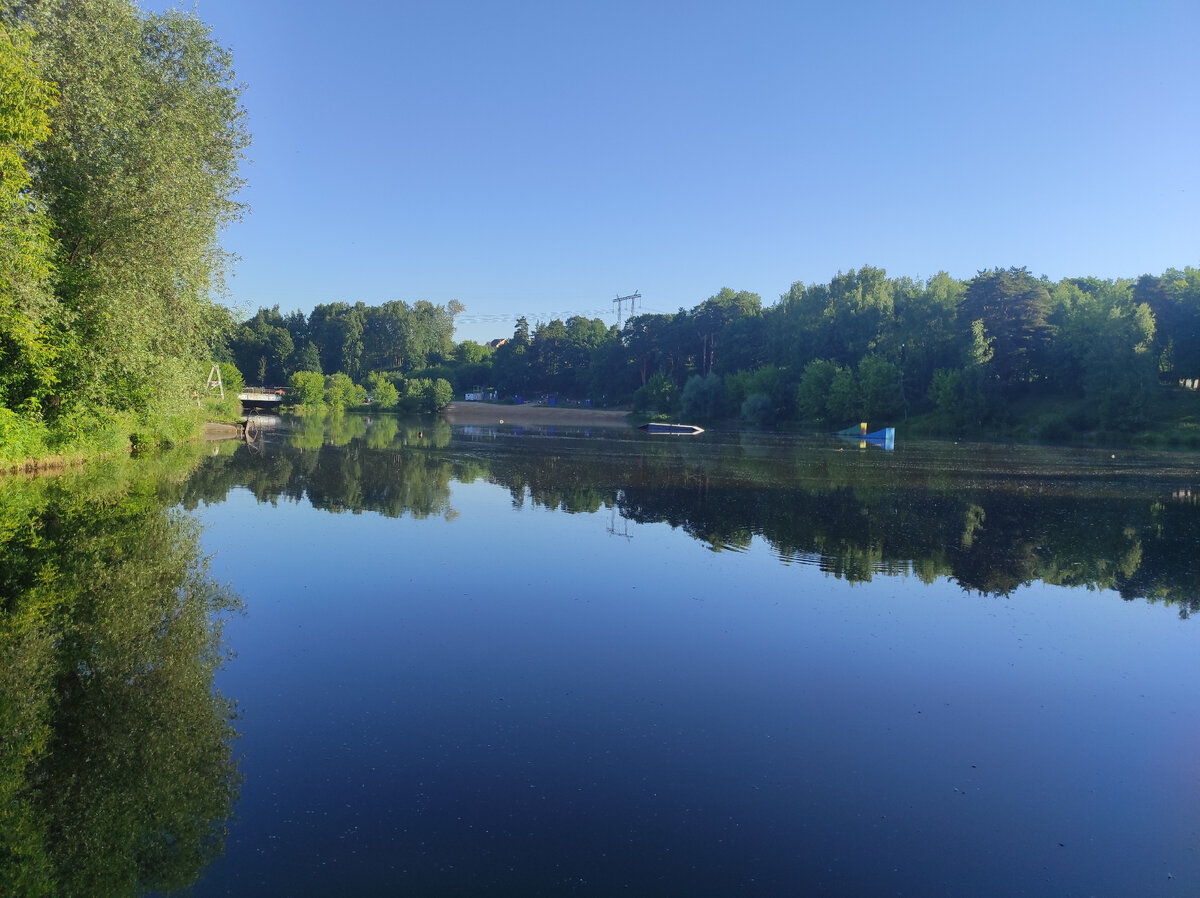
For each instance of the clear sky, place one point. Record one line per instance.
(542, 158)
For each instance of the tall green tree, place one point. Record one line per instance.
(813, 391)
(841, 321)
(139, 174)
(1106, 347)
(1012, 306)
(29, 313)
(713, 315)
(264, 342)
(1174, 299)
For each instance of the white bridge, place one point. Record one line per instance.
(260, 397)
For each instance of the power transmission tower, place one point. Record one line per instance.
(631, 299)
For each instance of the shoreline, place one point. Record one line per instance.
(462, 412)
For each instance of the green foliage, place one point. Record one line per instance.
(712, 316)
(759, 409)
(512, 367)
(307, 388)
(812, 394)
(441, 395)
(841, 321)
(468, 352)
(150, 122)
(29, 314)
(1013, 307)
(383, 391)
(658, 395)
(862, 346)
(231, 378)
(1174, 300)
(766, 380)
(264, 347)
(350, 339)
(109, 218)
(703, 398)
(879, 388)
(425, 395)
(22, 438)
(843, 403)
(1107, 350)
(341, 391)
(966, 398)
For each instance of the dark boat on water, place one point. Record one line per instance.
(689, 430)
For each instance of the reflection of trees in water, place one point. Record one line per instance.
(342, 464)
(988, 523)
(116, 767)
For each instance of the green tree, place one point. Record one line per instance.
(841, 321)
(513, 361)
(658, 395)
(341, 391)
(139, 174)
(29, 313)
(879, 387)
(1174, 300)
(427, 395)
(307, 388)
(713, 315)
(703, 398)
(1012, 306)
(844, 402)
(766, 380)
(469, 352)
(967, 397)
(759, 409)
(647, 341)
(232, 381)
(383, 391)
(264, 344)
(440, 395)
(337, 331)
(812, 394)
(1106, 345)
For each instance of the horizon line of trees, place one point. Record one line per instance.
(864, 346)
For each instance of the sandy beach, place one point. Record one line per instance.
(528, 415)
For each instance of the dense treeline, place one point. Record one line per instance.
(120, 138)
(1002, 349)
(333, 355)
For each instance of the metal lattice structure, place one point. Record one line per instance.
(632, 300)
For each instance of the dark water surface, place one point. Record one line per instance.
(493, 662)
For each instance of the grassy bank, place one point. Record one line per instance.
(32, 446)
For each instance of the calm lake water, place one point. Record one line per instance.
(487, 661)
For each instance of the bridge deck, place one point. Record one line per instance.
(260, 397)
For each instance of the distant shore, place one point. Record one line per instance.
(527, 415)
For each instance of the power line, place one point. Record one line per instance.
(469, 318)
(563, 314)
(631, 299)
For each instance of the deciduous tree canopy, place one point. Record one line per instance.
(132, 159)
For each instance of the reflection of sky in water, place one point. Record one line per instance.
(516, 701)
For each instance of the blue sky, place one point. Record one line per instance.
(542, 158)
